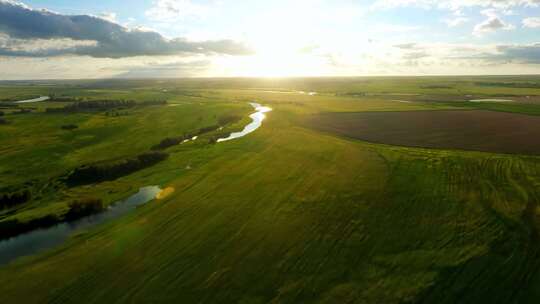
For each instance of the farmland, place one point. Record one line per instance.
(478, 130)
(303, 210)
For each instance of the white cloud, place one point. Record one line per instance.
(173, 10)
(457, 21)
(491, 24)
(109, 16)
(533, 22)
(110, 40)
(40, 47)
(455, 4)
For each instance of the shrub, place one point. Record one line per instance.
(8, 200)
(3, 121)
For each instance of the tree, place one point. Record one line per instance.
(84, 207)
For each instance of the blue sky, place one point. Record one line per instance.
(184, 38)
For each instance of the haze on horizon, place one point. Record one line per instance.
(61, 39)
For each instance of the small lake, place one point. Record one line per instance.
(42, 239)
(257, 118)
(42, 98)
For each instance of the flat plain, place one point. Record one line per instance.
(289, 213)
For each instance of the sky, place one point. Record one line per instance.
(66, 39)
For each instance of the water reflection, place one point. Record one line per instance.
(41, 239)
(257, 118)
(42, 98)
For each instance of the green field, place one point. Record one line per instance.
(287, 214)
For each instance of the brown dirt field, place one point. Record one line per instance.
(486, 131)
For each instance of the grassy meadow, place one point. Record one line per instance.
(287, 214)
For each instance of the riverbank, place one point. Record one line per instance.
(43, 238)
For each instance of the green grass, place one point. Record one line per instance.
(290, 215)
(35, 151)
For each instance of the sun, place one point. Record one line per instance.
(278, 40)
(275, 56)
(272, 65)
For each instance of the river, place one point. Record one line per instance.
(42, 98)
(42, 239)
(257, 119)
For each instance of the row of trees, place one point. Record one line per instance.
(84, 207)
(170, 142)
(101, 105)
(13, 228)
(92, 106)
(110, 171)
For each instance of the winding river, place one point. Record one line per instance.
(257, 118)
(40, 240)
(42, 98)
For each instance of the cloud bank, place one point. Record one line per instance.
(532, 22)
(25, 32)
(456, 4)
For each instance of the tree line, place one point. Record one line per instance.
(174, 141)
(101, 105)
(90, 174)
(84, 207)
(92, 106)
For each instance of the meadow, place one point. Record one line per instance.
(287, 214)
